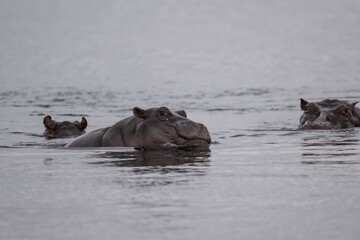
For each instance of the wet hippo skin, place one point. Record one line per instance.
(148, 128)
(54, 129)
(329, 114)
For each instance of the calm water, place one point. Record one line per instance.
(239, 67)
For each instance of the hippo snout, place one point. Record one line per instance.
(316, 126)
(204, 133)
(193, 133)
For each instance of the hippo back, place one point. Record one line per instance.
(90, 139)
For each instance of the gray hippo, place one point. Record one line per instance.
(329, 114)
(63, 129)
(148, 128)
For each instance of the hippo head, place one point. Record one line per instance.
(63, 129)
(328, 114)
(158, 126)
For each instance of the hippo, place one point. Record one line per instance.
(148, 128)
(329, 114)
(63, 129)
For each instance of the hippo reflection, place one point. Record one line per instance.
(63, 129)
(196, 156)
(329, 114)
(152, 127)
(328, 149)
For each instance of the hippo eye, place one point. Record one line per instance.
(163, 116)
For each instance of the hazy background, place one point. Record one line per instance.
(144, 44)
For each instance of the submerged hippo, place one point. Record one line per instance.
(63, 129)
(148, 128)
(329, 114)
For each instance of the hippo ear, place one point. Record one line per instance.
(343, 109)
(48, 122)
(303, 104)
(140, 113)
(182, 113)
(81, 126)
(353, 106)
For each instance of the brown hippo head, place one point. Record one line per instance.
(63, 129)
(329, 114)
(148, 128)
(157, 126)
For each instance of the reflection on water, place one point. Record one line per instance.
(330, 147)
(152, 167)
(155, 157)
(329, 162)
